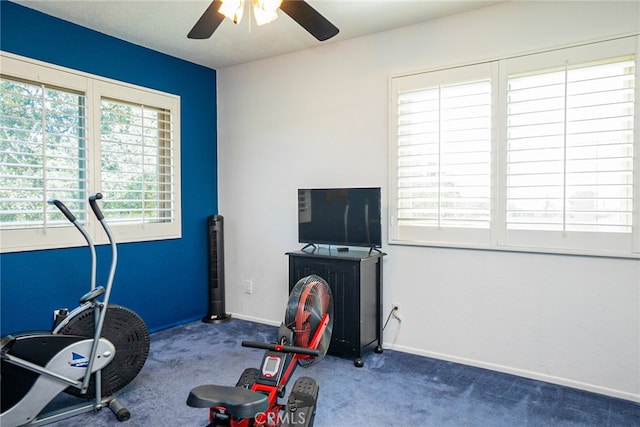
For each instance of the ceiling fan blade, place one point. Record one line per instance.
(208, 22)
(309, 19)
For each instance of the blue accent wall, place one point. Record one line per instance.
(165, 282)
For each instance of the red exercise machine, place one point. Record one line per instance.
(303, 339)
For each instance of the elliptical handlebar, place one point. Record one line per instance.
(94, 205)
(61, 206)
(71, 217)
(95, 291)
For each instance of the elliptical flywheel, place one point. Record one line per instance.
(128, 333)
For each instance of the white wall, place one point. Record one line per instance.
(319, 118)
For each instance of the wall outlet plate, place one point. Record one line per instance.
(248, 287)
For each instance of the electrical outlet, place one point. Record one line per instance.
(395, 307)
(248, 287)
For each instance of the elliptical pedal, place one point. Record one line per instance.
(301, 403)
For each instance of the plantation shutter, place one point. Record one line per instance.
(42, 154)
(137, 162)
(570, 148)
(535, 152)
(442, 154)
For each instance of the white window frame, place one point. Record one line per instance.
(94, 88)
(624, 245)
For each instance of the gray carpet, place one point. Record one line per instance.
(392, 389)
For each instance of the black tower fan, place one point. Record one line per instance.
(216, 313)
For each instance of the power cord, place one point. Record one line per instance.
(393, 314)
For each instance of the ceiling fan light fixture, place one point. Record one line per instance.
(266, 11)
(232, 9)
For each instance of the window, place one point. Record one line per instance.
(570, 148)
(136, 162)
(539, 153)
(443, 154)
(66, 135)
(43, 152)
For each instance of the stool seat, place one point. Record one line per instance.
(238, 401)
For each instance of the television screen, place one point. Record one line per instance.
(340, 216)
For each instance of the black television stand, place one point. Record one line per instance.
(355, 279)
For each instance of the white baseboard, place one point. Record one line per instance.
(518, 372)
(255, 319)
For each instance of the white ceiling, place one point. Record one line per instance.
(162, 25)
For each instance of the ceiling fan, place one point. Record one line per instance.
(264, 11)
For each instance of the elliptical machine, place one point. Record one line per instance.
(91, 352)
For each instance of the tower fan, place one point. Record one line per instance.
(308, 319)
(215, 233)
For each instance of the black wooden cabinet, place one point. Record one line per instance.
(355, 279)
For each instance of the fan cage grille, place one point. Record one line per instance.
(309, 301)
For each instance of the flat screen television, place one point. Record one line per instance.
(340, 216)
